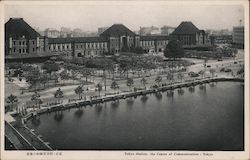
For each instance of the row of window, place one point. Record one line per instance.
(22, 50)
(91, 45)
(151, 43)
(18, 42)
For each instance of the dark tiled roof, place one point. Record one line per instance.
(117, 30)
(186, 28)
(77, 40)
(17, 27)
(151, 38)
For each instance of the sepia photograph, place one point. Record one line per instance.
(139, 79)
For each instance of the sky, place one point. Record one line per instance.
(91, 17)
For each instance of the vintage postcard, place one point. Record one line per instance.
(124, 80)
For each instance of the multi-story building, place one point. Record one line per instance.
(150, 31)
(22, 40)
(116, 38)
(167, 30)
(51, 33)
(221, 39)
(189, 35)
(79, 46)
(238, 36)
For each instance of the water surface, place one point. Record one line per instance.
(200, 119)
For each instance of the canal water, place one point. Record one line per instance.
(211, 118)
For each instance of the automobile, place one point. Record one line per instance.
(208, 66)
(228, 70)
(222, 69)
(219, 59)
(193, 74)
(235, 62)
(201, 72)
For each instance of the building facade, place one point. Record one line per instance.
(238, 36)
(189, 35)
(21, 39)
(115, 39)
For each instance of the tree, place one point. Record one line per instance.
(158, 80)
(180, 75)
(79, 91)
(36, 98)
(114, 85)
(130, 83)
(144, 82)
(44, 79)
(58, 94)
(64, 75)
(172, 51)
(11, 99)
(205, 67)
(212, 71)
(99, 88)
(50, 67)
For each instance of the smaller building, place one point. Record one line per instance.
(167, 30)
(238, 36)
(190, 36)
(21, 39)
(221, 39)
(51, 33)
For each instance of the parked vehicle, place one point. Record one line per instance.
(193, 74)
(222, 69)
(228, 70)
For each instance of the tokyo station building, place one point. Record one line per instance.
(21, 40)
(115, 39)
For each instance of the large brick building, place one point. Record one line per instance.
(115, 39)
(189, 35)
(21, 39)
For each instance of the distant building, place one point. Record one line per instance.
(22, 40)
(167, 30)
(221, 39)
(150, 31)
(65, 32)
(189, 35)
(238, 36)
(101, 30)
(51, 33)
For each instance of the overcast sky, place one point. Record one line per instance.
(89, 18)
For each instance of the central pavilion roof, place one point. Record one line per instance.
(117, 30)
(186, 28)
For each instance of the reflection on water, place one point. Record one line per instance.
(144, 98)
(180, 91)
(58, 116)
(203, 86)
(98, 108)
(115, 104)
(158, 95)
(130, 101)
(79, 112)
(202, 119)
(170, 93)
(191, 89)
